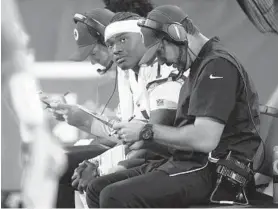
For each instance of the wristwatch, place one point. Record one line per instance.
(146, 133)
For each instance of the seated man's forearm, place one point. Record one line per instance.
(99, 129)
(184, 138)
(131, 163)
(103, 141)
(86, 128)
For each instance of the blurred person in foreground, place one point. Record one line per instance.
(43, 160)
(212, 117)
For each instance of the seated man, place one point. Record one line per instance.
(158, 104)
(215, 109)
(132, 81)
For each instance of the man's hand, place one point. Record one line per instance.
(116, 168)
(137, 145)
(77, 174)
(129, 131)
(73, 115)
(48, 99)
(89, 173)
(53, 100)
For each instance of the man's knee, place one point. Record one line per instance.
(95, 186)
(112, 196)
(93, 191)
(120, 195)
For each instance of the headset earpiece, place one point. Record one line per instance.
(177, 32)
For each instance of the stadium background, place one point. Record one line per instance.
(50, 26)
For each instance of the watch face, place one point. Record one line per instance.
(147, 134)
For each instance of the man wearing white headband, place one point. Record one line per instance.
(151, 93)
(123, 38)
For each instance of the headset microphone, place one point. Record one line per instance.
(103, 71)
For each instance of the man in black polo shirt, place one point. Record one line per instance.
(217, 113)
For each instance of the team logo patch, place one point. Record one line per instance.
(214, 77)
(160, 102)
(75, 34)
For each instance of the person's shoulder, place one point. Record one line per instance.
(152, 67)
(222, 61)
(156, 70)
(221, 64)
(168, 67)
(148, 71)
(218, 69)
(167, 70)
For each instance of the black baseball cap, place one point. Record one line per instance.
(151, 28)
(86, 36)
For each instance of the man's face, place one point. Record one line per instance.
(127, 49)
(167, 53)
(100, 55)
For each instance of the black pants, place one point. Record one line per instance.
(75, 155)
(139, 187)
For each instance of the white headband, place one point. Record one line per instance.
(124, 26)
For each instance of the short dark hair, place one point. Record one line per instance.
(140, 7)
(189, 26)
(125, 16)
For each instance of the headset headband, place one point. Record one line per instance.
(174, 30)
(148, 23)
(96, 25)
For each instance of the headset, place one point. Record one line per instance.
(175, 30)
(92, 24)
(99, 28)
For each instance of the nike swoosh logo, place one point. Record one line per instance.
(214, 77)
